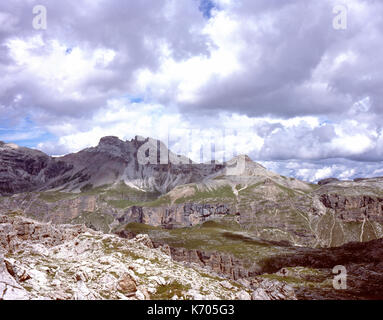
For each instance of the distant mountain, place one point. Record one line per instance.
(112, 161)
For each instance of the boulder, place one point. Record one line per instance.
(273, 290)
(243, 295)
(144, 239)
(127, 285)
(9, 288)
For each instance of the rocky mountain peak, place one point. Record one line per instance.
(327, 181)
(110, 140)
(113, 143)
(243, 165)
(9, 145)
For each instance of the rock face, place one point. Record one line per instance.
(60, 211)
(220, 263)
(70, 209)
(23, 169)
(270, 206)
(9, 288)
(355, 208)
(15, 230)
(175, 216)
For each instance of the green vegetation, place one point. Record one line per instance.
(54, 196)
(303, 277)
(286, 191)
(122, 196)
(88, 187)
(88, 190)
(166, 292)
(119, 196)
(224, 235)
(94, 220)
(14, 213)
(120, 204)
(123, 192)
(161, 201)
(110, 247)
(249, 191)
(220, 194)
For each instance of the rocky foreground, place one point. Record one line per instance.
(66, 262)
(44, 261)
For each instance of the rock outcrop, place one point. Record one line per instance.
(327, 181)
(272, 290)
(217, 262)
(45, 261)
(355, 208)
(9, 288)
(23, 169)
(174, 216)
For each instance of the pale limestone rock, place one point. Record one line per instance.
(9, 288)
(244, 282)
(243, 295)
(152, 290)
(226, 284)
(83, 292)
(260, 294)
(141, 270)
(273, 290)
(159, 280)
(140, 295)
(144, 239)
(195, 295)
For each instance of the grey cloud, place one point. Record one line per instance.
(302, 47)
(133, 29)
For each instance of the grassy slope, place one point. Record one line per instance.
(224, 235)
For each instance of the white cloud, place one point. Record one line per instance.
(61, 72)
(184, 78)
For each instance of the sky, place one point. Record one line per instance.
(296, 85)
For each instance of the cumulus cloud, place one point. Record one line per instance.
(313, 171)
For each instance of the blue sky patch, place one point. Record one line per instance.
(26, 133)
(206, 6)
